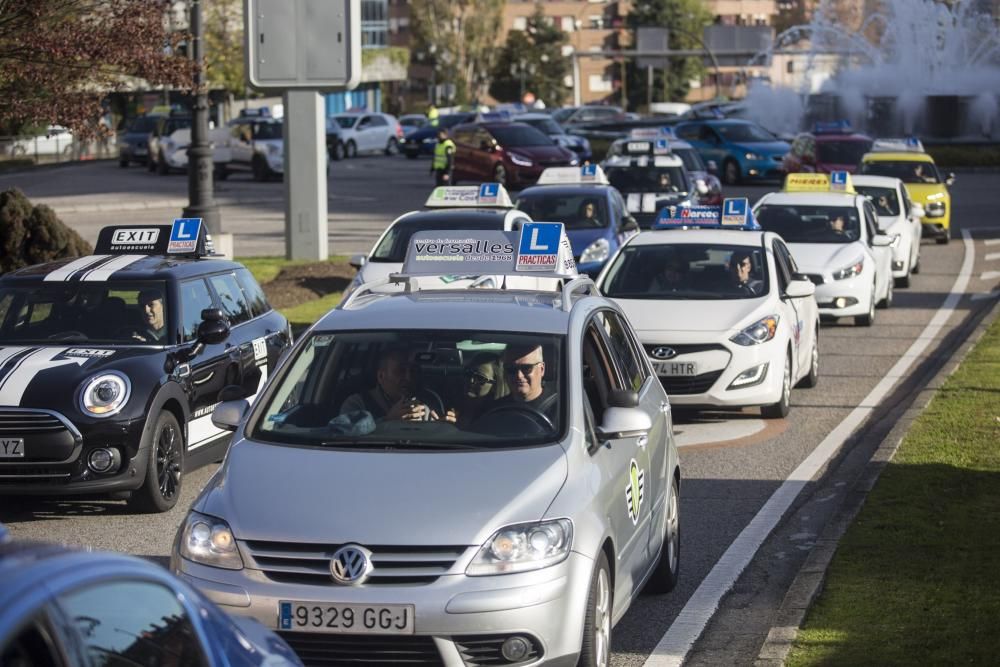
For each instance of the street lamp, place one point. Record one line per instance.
(200, 195)
(522, 67)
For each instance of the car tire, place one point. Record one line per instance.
(904, 281)
(162, 168)
(18, 151)
(338, 151)
(780, 409)
(666, 574)
(161, 487)
(351, 150)
(392, 147)
(812, 378)
(411, 155)
(259, 169)
(944, 240)
(868, 318)
(731, 172)
(595, 650)
(221, 172)
(123, 164)
(916, 266)
(500, 175)
(150, 165)
(887, 301)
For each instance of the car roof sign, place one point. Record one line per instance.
(541, 248)
(838, 181)
(832, 127)
(734, 213)
(898, 145)
(185, 237)
(585, 175)
(486, 195)
(665, 132)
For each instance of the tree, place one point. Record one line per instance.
(224, 46)
(536, 54)
(685, 19)
(463, 36)
(59, 58)
(33, 234)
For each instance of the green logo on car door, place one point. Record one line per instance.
(634, 491)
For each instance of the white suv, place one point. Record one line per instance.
(369, 133)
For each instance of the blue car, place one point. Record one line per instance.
(558, 134)
(64, 606)
(594, 215)
(744, 150)
(422, 141)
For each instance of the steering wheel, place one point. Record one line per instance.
(72, 333)
(432, 400)
(503, 413)
(130, 332)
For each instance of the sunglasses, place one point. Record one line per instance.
(478, 379)
(523, 369)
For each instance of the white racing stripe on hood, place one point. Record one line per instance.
(104, 272)
(7, 353)
(13, 386)
(76, 265)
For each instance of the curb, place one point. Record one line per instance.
(811, 577)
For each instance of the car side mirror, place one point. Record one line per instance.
(950, 180)
(214, 327)
(713, 167)
(629, 224)
(800, 289)
(624, 423)
(701, 187)
(486, 146)
(357, 261)
(917, 211)
(229, 414)
(882, 241)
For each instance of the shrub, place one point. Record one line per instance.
(33, 234)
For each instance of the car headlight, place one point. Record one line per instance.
(523, 547)
(935, 209)
(850, 270)
(759, 332)
(753, 156)
(105, 395)
(519, 160)
(209, 541)
(597, 251)
(573, 161)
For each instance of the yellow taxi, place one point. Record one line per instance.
(906, 160)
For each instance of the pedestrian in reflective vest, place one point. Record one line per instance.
(444, 159)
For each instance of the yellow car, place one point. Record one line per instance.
(924, 183)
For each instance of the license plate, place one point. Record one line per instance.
(11, 448)
(676, 368)
(383, 619)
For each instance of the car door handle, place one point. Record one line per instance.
(642, 441)
(664, 406)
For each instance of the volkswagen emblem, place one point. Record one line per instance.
(664, 352)
(351, 565)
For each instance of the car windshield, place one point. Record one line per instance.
(735, 132)
(665, 180)
(561, 115)
(687, 271)
(418, 390)
(451, 120)
(842, 152)
(412, 121)
(885, 200)
(908, 171)
(515, 136)
(346, 122)
(143, 124)
(392, 247)
(575, 211)
(811, 224)
(546, 125)
(84, 312)
(692, 161)
(175, 124)
(269, 131)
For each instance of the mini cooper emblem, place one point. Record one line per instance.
(351, 565)
(664, 352)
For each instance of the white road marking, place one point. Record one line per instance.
(688, 435)
(673, 647)
(991, 256)
(986, 295)
(990, 275)
(991, 242)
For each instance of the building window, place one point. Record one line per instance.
(600, 83)
(596, 22)
(566, 23)
(374, 23)
(520, 23)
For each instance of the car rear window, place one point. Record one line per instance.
(393, 246)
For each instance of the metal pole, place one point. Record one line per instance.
(200, 195)
(649, 88)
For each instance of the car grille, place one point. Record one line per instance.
(485, 650)
(310, 563)
(19, 423)
(697, 384)
(684, 349)
(39, 475)
(369, 650)
(816, 278)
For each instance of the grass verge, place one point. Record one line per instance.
(986, 155)
(915, 578)
(266, 269)
(302, 314)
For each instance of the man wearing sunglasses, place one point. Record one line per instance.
(524, 367)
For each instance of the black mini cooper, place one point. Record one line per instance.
(111, 364)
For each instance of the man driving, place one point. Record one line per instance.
(741, 266)
(154, 329)
(524, 366)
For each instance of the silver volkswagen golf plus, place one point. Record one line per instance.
(446, 476)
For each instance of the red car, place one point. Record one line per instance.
(829, 147)
(514, 154)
